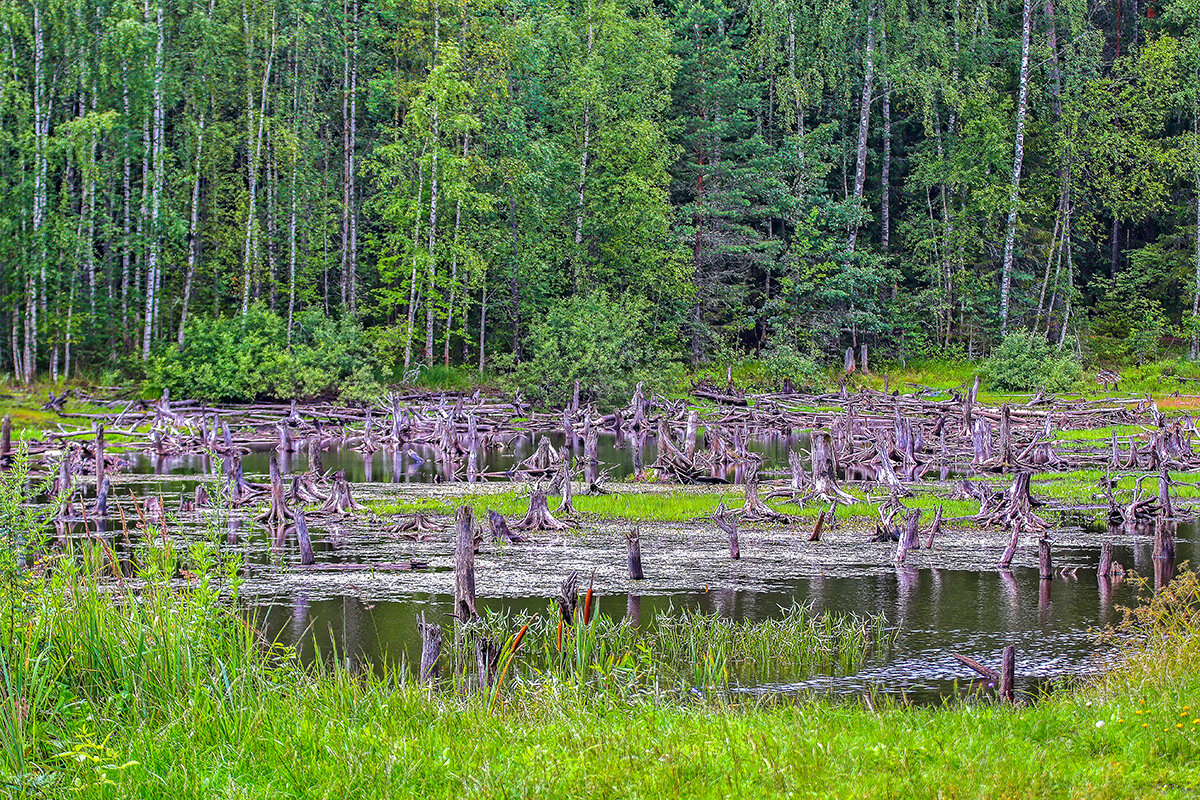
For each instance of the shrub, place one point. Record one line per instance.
(1025, 362)
(607, 344)
(786, 363)
(235, 358)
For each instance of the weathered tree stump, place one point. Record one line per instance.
(753, 508)
(201, 499)
(415, 526)
(728, 524)
(340, 501)
(909, 536)
(303, 539)
(1008, 672)
(568, 598)
(464, 564)
(1106, 560)
(6, 440)
(1045, 567)
(1015, 507)
(101, 509)
(487, 662)
(566, 506)
(500, 530)
(538, 517)
(689, 438)
(278, 511)
(1011, 550)
(633, 549)
(99, 454)
(824, 470)
(431, 649)
(935, 528)
(1164, 539)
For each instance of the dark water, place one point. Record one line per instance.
(360, 604)
(617, 457)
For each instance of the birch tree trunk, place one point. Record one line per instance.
(454, 263)
(412, 284)
(37, 270)
(152, 252)
(254, 141)
(193, 238)
(584, 155)
(864, 120)
(1010, 234)
(430, 291)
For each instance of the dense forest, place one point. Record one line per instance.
(467, 182)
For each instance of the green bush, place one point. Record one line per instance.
(1025, 362)
(231, 358)
(787, 363)
(607, 344)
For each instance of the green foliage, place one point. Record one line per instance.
(786, 363)
(607, 344)
(235, 358)
(1025, 362)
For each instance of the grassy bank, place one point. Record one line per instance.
(172, 696)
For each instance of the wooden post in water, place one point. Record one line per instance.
(1045, 568)
(634, 550)
(1106, 560)
(1164, 492)
(1008, 672)
(464, 565)
(304, 540)
(1164, 539)
(431, 649)
(6, 439)
(99, 456)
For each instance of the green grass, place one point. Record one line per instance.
(173, 697)
(157, 688)
(671, 506)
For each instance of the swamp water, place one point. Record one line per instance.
(361, 600)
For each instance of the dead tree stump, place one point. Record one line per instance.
(754, 508)
(633, 547)
(464, 565)
(824, 469)
(487, 662)
(1106, 560)
(277, 511)
(1008, 672)
(6, 440)
(1045, 567)
(909, 537)
(1164, 539)
(99, 453)
(102, 499)
(568, 598)
(340, 501)
(538, 517)
(935, 528)
(500, 530)
(304, 540)
(730, 526)
(431, 649)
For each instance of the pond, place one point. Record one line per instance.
(362, 598)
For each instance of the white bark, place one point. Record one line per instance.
(1010, 234)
